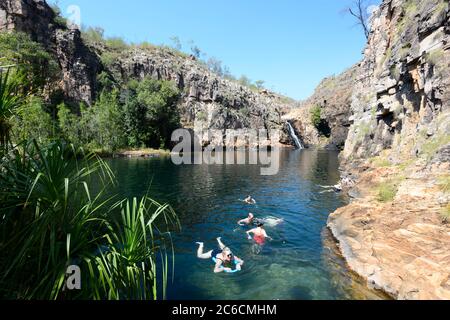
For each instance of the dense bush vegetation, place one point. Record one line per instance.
(31, 121)
(146, 118)
(33, 64)
(57, 211)
(133, 115)
(58, 207)
(316, 116)
(151, 113)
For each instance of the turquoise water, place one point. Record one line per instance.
(302, 261)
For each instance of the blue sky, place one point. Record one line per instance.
(290, 44)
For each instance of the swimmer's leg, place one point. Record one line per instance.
(221, 245)
(201, 254)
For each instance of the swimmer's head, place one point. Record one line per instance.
(227, 253)
(251, 215)
(260, 225)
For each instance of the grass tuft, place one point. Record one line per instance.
(444, 183)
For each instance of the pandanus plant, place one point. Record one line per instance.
(57, 210)
(10, 100)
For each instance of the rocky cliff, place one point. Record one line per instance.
(78, 64)
(333, 98)
(207, 99)
(395, 233)
(401, 96)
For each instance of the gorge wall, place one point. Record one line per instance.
(79, 65)
(401, 98)
(332, 97)
(395, 232)
(207, 99)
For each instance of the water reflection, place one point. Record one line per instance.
(297, 264)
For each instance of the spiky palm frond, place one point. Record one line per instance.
(10, 100)
(57, 210)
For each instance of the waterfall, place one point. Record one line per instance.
(294, 136)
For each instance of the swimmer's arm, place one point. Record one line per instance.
(266, 236)
(239, 261)
(250, 232)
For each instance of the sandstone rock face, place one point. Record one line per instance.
(334, 97)
(398, 146)
(78, 64)
(208, 101)
(402, 93)
(401, 247)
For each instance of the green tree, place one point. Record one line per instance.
(34, 65)
(160, 99)
(176, 43)
(215, 66)
(245, 81)
(93, 35)
(151, 112)
(260, 84)
(99, 127)
(106, 117)
(196, 51)
(31, 121)
(316, 116)
(135, 122)
(227, 73)
(69, 124)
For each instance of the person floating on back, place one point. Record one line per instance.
(259, 234)
(247, 221)
(225, 259)
(250, 200)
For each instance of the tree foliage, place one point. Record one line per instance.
(151, 113)
(32, 121)
(33, 64)
(316, 116)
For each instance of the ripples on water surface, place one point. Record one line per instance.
(300, 263)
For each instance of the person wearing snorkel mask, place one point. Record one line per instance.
(225, 259)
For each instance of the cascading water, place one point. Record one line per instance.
(294, 136)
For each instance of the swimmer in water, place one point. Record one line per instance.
(247, 221)
(250, 200)
(259, 234)
(271, 221)
(225, 259)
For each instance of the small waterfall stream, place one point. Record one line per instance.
(294, 136)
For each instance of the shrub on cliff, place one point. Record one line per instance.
(316, 116)
(386, 192)
(33, 64)
(151, 113)
(93, 36)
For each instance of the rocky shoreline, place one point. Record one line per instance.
(401, 247)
